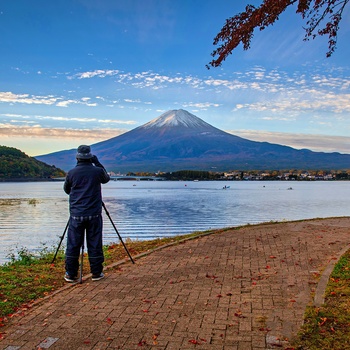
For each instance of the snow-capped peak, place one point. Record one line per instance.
(177, 117)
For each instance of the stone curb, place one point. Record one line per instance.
(319, 298)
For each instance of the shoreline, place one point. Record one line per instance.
(30, 180)
(36, 253)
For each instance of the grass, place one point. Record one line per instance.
(328, 327)
(27, 277)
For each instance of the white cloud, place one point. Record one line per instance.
(96, 73)
(66, 103)
(305, 100)
(36, 131)
(10, 97)
(31, 119)
(316, 143)
(131, 101)
(203, 105)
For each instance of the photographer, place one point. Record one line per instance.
(83, 184)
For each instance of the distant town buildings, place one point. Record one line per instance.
(296, 175)
(272, 175)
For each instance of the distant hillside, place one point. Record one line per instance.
(14, 164)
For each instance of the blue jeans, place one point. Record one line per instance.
(75, 239)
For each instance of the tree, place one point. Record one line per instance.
(16, 164)
(322, 18)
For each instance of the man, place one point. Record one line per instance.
(83, 184)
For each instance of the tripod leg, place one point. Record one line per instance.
(126, 249)
(59, 245)
(81, 264)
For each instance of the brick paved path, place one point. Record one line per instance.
(238, 289)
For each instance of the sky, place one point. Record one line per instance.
(82, 71)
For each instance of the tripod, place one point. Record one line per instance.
(120, 238)
(82, 248)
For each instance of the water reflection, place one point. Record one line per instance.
(36, 213)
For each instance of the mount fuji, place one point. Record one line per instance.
(178, 140)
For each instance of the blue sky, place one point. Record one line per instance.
(81, 71)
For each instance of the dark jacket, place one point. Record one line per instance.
(83, 184)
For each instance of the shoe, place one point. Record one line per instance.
(70, 279)
(97, 277)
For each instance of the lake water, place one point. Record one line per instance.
(35, 214)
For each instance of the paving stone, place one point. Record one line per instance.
(238, 289)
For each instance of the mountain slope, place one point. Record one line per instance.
(179, 140)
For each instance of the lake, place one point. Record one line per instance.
(34, 215)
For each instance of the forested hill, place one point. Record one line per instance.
(14, 164)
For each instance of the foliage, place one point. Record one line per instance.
(327, 327)
(322, 18)
(15, 164)
(192, 175)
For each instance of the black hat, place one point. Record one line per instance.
(84, 152)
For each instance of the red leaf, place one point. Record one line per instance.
(265, 329)
(324, 319)
(194, 341)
